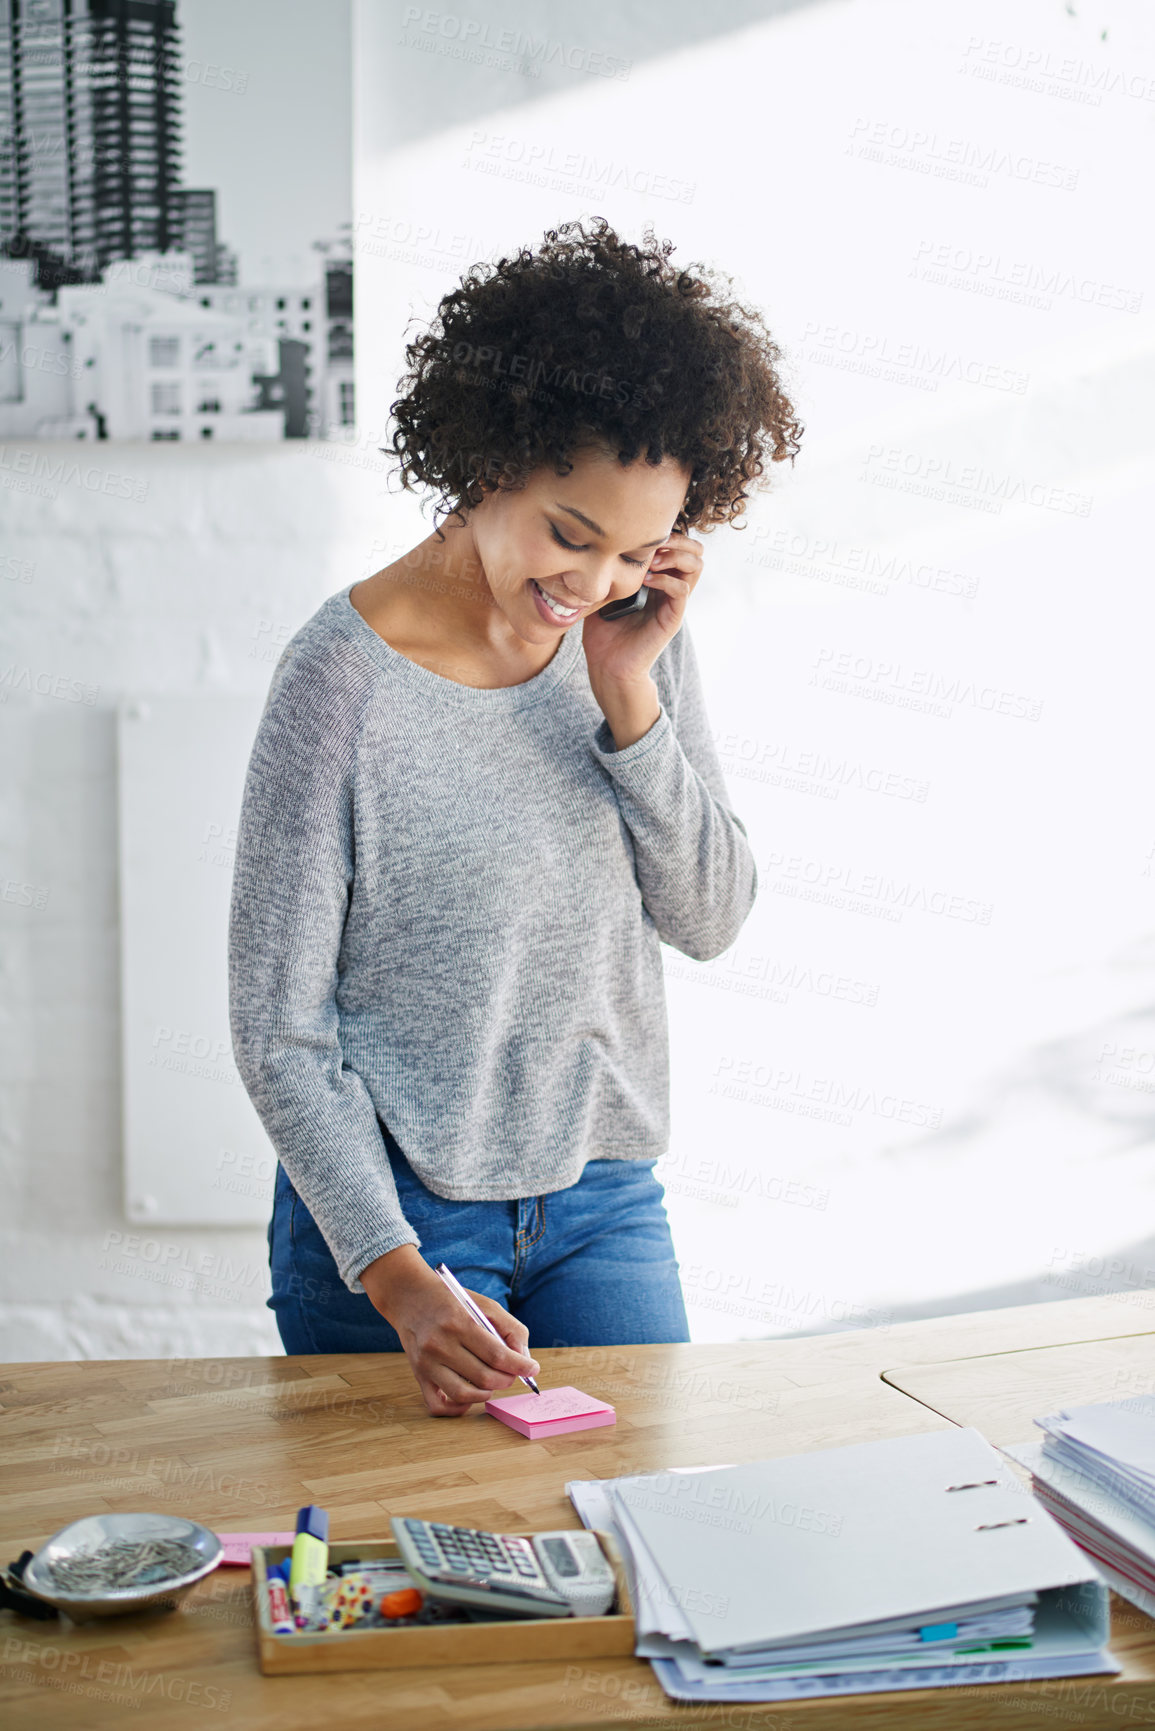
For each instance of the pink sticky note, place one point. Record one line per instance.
(239, 1545)
(552, 1412)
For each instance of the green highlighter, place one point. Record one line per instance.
(310, 1549)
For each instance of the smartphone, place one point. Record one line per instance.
(630, 604)
(627, 605)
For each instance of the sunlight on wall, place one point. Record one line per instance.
(923, 1080)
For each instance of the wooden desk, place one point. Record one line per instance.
(241, 1443)
(1001, 1393)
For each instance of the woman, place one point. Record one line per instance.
(474, 810)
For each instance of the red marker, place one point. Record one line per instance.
(279, 1609)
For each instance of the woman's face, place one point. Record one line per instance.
(583, 539)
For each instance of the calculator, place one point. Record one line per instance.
(563, 1574)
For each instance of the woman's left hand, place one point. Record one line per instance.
(621, 652)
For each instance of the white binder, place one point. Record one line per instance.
(859, 1540)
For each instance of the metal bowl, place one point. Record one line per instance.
(87, 1534)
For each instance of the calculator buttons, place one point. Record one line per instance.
(479, 1567)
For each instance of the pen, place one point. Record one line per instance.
(460, 1293)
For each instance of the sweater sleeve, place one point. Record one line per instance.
(290, 897)
(694, 863)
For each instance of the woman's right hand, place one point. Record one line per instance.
(457, 1363)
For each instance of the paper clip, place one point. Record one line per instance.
(988, 1526)
(977, 1485)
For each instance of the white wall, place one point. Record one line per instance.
(190, 584)
(1025, 1045)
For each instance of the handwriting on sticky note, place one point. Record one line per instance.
(548, 1407)
(557, 1403)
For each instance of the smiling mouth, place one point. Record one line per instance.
(557, 608)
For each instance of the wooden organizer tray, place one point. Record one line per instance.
(489, 1643)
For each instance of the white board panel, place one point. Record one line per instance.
(195, 1153)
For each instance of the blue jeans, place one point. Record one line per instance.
(592, 1265)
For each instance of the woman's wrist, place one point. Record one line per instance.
(389, 1278)
(630, 710)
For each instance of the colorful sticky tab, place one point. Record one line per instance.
(238, 1546)
(938, 1631)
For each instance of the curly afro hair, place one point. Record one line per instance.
(592, 341)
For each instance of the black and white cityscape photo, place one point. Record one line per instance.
(175, 195)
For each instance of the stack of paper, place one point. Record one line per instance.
(1095, 1471)
(909, 1563)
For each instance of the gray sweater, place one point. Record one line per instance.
(447, 911)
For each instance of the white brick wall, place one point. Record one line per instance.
(127, 569)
